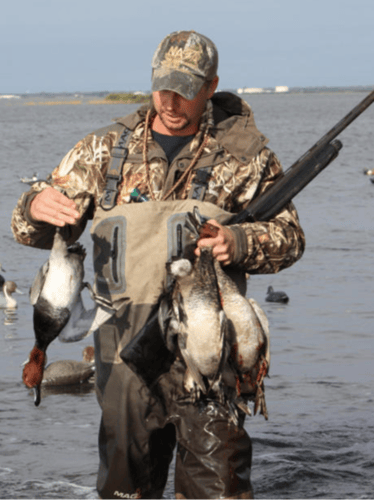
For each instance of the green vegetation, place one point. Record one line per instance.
(128, 98)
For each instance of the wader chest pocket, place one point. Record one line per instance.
(109, 256)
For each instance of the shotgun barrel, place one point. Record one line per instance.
(310, 164)
(268, 204)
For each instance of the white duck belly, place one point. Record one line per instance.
(248, 337)
(63, 281)
(199, 320)
(204, 337)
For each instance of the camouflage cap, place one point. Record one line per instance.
(183, 61)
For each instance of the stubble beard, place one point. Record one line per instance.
(172, 126)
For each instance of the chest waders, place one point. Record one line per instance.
(132, 244)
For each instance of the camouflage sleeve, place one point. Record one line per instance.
(276, 244)
(81, 176)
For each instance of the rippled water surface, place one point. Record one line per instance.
(319, 440)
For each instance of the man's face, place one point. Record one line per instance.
(177, 115)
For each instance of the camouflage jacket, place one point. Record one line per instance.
(242, 167)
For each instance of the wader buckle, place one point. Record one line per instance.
(118, 157)
(200, 183)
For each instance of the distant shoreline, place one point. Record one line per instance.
(104, 97)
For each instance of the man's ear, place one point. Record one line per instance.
(213, 86)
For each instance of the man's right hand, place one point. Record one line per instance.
(54, 207)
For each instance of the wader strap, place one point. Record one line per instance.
(114, 174)
(200, 183)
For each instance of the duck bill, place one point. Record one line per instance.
(17, 290)
(37, 395)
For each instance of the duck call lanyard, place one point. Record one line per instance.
(119, 155)
(187, 174)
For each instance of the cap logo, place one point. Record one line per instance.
(176, 57)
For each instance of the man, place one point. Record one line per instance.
(189, 147)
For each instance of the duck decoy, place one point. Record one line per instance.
(69, 372)
(7, 301)
(273, 296)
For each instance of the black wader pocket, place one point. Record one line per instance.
(110, 256)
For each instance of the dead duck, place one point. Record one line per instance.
(249, 358)
(197, 322)
(58, 307)
(273, 296)
(69, 372)
(7, 301)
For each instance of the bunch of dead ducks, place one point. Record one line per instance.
(222, 336)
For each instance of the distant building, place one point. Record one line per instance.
(250, 90)
(9, 96)
(260, 90)
(281, 88)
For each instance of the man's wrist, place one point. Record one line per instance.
(26, 212)
(241, 244)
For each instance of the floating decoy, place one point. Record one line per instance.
(272, 296)
(30, 180)
(68, 372)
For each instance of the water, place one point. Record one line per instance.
(319, 440)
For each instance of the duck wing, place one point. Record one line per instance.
(38, 283)
(82, 323)
(261, 316)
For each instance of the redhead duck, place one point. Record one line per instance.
(58, 307)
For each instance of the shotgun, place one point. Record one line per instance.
(146, 354)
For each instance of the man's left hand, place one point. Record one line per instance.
(223, 244)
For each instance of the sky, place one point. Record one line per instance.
(92, 45)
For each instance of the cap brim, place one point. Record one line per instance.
(185, 84)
